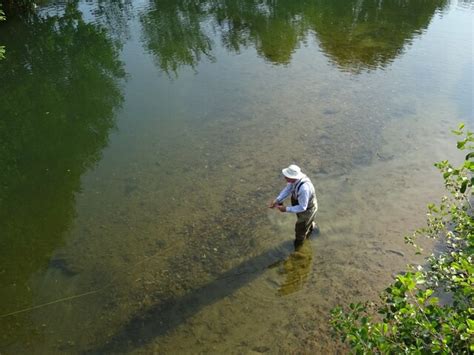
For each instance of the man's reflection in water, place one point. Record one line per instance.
(296, 268)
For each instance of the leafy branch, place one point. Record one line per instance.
(429, 310)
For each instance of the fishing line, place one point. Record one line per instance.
(64, 299)
(52, 302)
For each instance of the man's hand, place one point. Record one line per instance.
(273, 204)
(281, 208)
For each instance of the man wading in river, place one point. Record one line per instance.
(303, 202)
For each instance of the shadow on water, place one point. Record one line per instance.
(162, 318)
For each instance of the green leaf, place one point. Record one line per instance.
(461, 144)
(469, 165)
(470, 155)
(352, 337)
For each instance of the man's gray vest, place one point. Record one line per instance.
(294, 195)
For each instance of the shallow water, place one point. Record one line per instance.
(140, 142)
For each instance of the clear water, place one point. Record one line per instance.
(140, 142)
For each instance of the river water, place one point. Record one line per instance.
(141, 141)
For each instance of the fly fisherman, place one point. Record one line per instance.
(303, 202)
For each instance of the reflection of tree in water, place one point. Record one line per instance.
(296, 269)
(467, 4)
(173, 32)
(368, 34)
(58, 96)
(273, 27)
(355, 34)
(114, 15)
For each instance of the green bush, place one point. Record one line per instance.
(413, 319)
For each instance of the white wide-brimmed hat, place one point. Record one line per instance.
(293, 172)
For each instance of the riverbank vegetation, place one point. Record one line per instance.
(427, 309)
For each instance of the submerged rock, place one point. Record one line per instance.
(395, 252)
(261, 349)
(61, 263)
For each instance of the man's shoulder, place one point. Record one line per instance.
(306, 184)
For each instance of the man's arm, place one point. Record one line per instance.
(283, 194)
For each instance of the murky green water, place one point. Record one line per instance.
(140, 142)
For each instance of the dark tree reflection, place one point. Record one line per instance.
(58, 95)
(273, 27)
(355, 35)
(114, 15)
(369, 34)
(174, 33)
